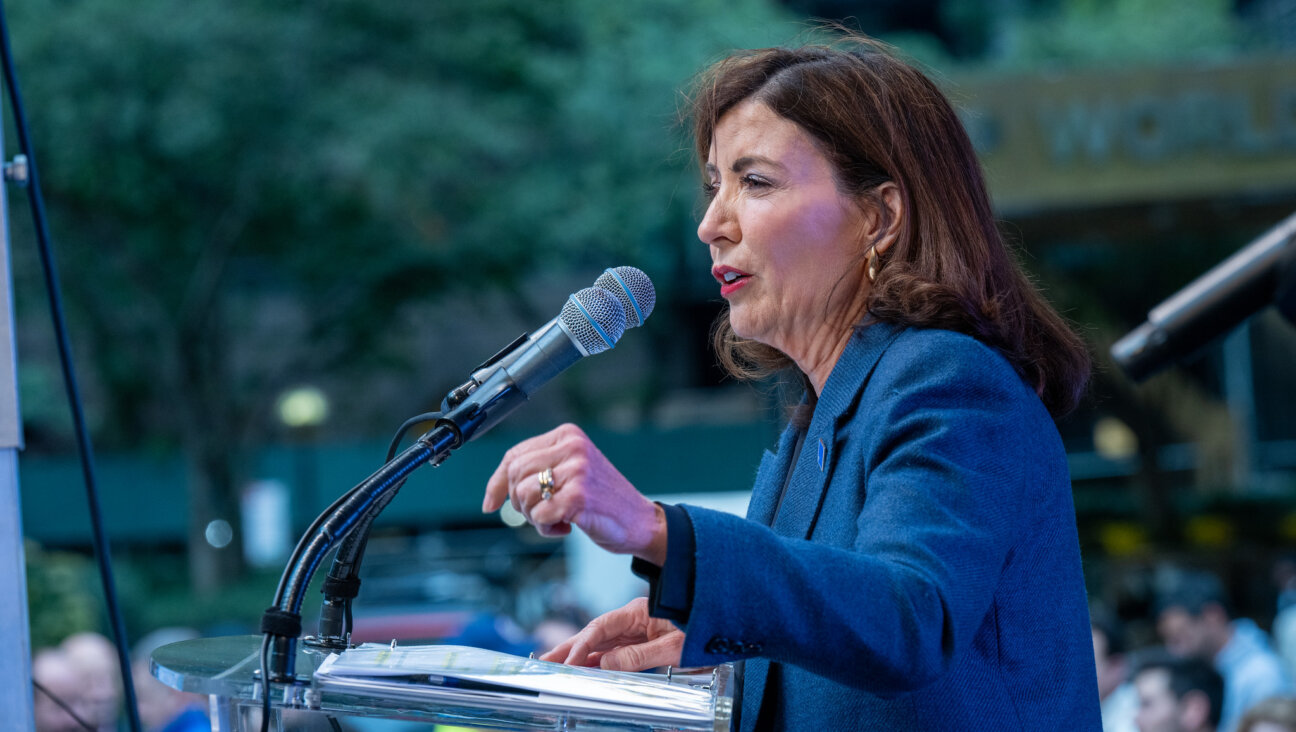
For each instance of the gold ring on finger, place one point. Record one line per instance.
(547, 488)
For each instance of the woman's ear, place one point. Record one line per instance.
(886, 226)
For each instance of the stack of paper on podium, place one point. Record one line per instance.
(466, 676)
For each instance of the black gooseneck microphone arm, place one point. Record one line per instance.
(281, 622)
(342, 584)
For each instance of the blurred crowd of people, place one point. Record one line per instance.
(77, 687)
(1210, 670)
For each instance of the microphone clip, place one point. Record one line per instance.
(457, 395)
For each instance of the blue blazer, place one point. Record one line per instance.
(922, 571)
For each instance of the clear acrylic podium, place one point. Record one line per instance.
(226, 670)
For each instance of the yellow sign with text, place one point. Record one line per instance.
(1137, 135)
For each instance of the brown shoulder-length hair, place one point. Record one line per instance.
(878, 119)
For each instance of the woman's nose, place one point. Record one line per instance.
(718, 225)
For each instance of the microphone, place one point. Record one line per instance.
(592, 321)
(1255, 276)
(629, 285)
(633, 288)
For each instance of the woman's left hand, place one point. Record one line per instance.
(587, 491)
(625, 639)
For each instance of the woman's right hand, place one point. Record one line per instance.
(587, 491)
(625, 639)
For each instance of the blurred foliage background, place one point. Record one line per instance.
(248, 196)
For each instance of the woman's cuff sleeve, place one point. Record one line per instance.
(670, 586)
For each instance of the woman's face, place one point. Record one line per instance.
(786, 245)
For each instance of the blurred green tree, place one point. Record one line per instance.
(60, 595)
(1115, 33)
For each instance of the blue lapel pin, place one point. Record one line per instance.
(823, 451)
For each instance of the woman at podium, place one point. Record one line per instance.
(909, 560)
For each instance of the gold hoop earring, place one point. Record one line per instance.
(872, 264)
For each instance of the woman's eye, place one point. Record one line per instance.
(751, 180)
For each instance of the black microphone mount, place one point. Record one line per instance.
(1259, 274)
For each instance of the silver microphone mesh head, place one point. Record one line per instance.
(594, 318)
(633, 288)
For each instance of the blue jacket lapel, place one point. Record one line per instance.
(805, 492)
(769, 480)
(801, 502)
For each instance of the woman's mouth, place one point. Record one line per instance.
(730, 279)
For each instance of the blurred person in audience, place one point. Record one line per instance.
(95, 658)
(1194, 621)
(161, 708)
(1118, 701)
(1275, 714)
(58, 703)
(1284, 624)
(1178, 695)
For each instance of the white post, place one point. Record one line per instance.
(15, 637)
